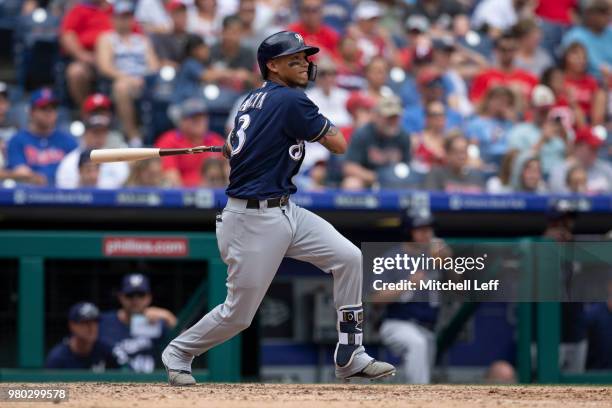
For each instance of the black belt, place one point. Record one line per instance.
(253, 203)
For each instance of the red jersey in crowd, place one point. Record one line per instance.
(325, 37)
(495, 77)
(583, 89)
(188, 165)
(556, 11)
(88, 20)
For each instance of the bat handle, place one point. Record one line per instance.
(216, 149)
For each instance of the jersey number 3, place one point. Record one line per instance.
(238, 137)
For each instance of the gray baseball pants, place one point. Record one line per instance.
(253, 242)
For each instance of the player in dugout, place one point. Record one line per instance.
(136, 329)
(83, 349)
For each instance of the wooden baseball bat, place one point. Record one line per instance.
(142, 153)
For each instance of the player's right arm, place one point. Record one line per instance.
(334, 140)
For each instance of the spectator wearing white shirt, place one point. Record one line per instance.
(111, 175)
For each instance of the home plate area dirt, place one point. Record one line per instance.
(157, 395)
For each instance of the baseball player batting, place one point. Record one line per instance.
(260, 224)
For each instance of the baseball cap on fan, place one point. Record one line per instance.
(83, 312)
(135, 283)
(42, 97)
(192, 107)
(174, 5)
(95, 102)
(389, 106)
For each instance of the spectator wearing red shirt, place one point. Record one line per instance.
(580, 87)
(504, 73)
(311, 27)
(186, 170)
(80, 29)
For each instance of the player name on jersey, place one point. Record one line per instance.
(255, 101)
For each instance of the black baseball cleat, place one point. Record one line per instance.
(374, 371)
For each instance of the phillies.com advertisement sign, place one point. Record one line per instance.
(149, 246)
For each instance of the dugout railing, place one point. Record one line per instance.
(33, 248)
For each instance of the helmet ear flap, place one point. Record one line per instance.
(312, 71)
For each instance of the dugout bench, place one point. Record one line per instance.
(32, 248)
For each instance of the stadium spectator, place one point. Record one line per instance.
(439, 14)
(451, 61)
(330, 99)
(192, 130)
(490, 126)
(527, 175)
(7, 127)
(83, 349)
(377, 146)
(34, 153)
(372, 38)
(152, 16)
(111, 175)
(350, 67)
(125, 58)
(455, 176)
(257, 20)
(215, 173)
(599, 329)
(99, 104)
(312, 28)
(80, 29)
(136, 329)
(599, 172)
(581, 88)
(474, 41)
(565, 106)
(576, 180)
(146, 173)
(531, 57)
(410, 320)
(193, 72)
(430, 86)
(544, 135)
(504, 72)
(555, 18)
(232, 62)
(170, 47)
(429, 143)
(359, 107)
(204, 19)
(501, 183)
(88, 171)
(595, 34)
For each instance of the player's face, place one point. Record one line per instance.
(291, 69)
(86, 331)
(136, 302)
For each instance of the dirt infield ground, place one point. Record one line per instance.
(90, 395)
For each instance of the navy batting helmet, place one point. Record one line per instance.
(284, 43)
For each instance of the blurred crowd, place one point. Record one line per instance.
(495, 96)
